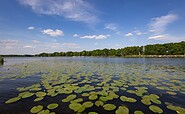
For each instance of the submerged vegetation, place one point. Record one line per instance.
(95, 87)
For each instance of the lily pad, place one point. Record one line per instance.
(122, 110)
(38, 99)
(171, 93)
(93, 97)
(12, 100)
(77, 100)
(99, 103)
(52, 106)
(44, 112)
(138, 112)
(85, 94)
(109, 107)
(27, 95)
(156, 109)
(40, 94)
(36, 109)
(75, 106)
(127, 99)
(104, 98)
(146, 101)
(87, 104)
(71, 97)
(81, 109)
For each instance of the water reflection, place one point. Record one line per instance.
(1, 63)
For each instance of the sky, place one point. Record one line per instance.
(36, 26)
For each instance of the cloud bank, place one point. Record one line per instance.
(75, 10)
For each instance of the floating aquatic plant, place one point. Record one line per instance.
(99, 103)
(52, 106)
(122, 110)
(109, 107)
(156, 109)
(86, 83)
(36, 109)
(75, 106)
(38, 99)
(12, 100)
(87, 104)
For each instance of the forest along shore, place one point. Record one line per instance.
(155, 56)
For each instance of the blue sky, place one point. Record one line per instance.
(35, 26)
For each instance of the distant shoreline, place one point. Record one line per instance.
(127, 56)
(167, 50)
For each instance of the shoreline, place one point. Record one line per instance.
(126, 56)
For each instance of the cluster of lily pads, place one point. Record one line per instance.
(90, 84)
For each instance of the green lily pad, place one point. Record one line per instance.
(138, 112)
(12, 100)
(27, 95)
(75, 106)
(171, 93)
(109, 107)
(87, 104)
(65, 100)
(36, 109)
(82, 108)
(146, 101)
(52, 106)
(85, 94)
(44, 112)
(123, 98)
(35, 89)
(40, 94)
(38, 99)
(99, 103)
(77, 100)
(127, 99)
(104, 98)
(71, 97)
(131, 100)
(156, 101)
(122, 110)
(156, 109)
(93, 97)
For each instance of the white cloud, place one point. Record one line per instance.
(128, 34)
(35, 41)
(8, 44)
(53, 33)
(138, 33)
(28, 46)
(97, 37)
(158, 37)
(76, 10)
(74, 45)
(75, 35)
(111, 26)
(159, 24)
(31, 28)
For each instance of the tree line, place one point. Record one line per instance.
(155, 49)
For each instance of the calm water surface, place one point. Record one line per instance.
(24, 72)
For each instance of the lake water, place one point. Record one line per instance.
(75, 84)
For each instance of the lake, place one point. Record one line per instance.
(92, 85)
